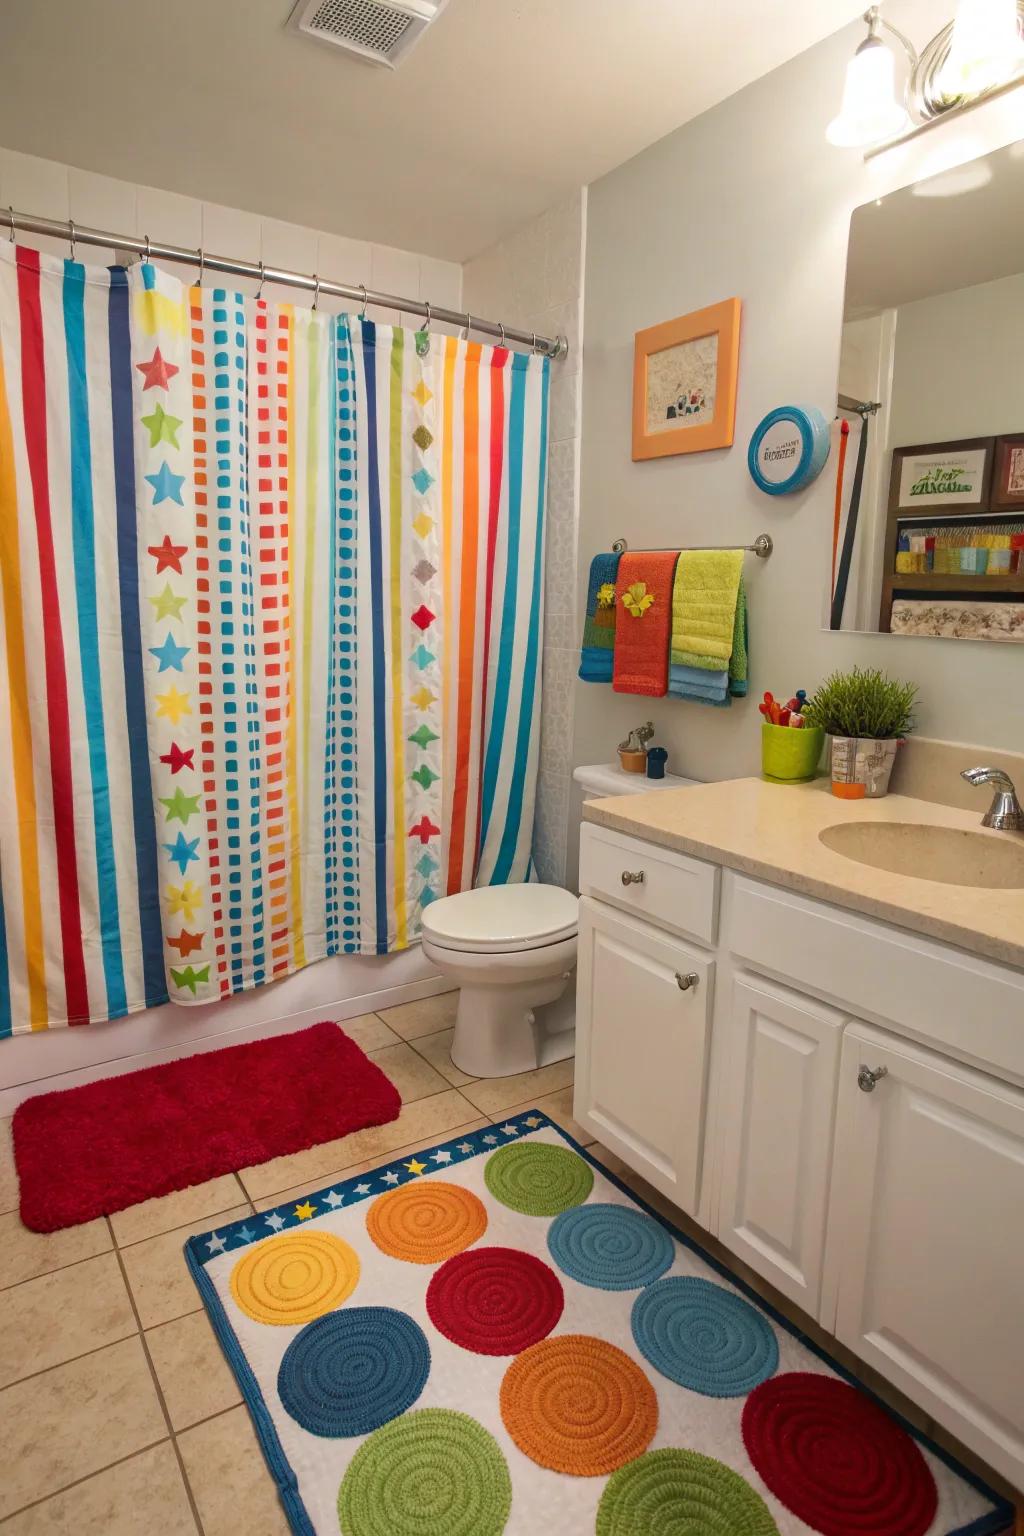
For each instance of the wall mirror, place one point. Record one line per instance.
(927, 536)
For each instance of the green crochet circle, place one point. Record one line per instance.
(433, 1472)
(538, 1179)
(681, 1493)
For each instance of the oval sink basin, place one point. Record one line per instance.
(932, 853)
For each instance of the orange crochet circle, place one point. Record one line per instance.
(577, 1404)
(426, 1223)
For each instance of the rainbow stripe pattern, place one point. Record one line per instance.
(271, 587)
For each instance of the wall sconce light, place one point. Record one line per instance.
(980, 51)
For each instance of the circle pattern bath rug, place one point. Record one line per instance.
(430, 1471)
(293, 1278)
(836, 1459)
(613, 1247)
(681, 1491)
(578, 1405)
(538, 1179)
(426, 1223)
(351, 1371)
(704, 1337)
(495, 1301)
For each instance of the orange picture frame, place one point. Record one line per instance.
(676, 379)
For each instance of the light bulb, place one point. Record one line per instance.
(870, 111)
(985, 49)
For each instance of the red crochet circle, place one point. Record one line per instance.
(835, 1459)
(495, 1301)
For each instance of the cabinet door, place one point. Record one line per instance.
(777, 1124)
(641, 1047)
(926, 1237)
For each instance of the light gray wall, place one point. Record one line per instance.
(750, 200)
(958, 368)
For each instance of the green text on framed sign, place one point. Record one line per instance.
(946, 476)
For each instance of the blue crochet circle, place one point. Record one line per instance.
(612, 1247)
(704, 1337)
(348, 1372)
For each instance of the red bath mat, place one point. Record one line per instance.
(87, 1151)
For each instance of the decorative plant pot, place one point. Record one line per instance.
(861, 768)
(633, 762)
(790, 755)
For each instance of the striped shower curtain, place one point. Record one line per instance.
(271, 587)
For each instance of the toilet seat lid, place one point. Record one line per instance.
(502, 918)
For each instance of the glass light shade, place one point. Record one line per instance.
(870, 111)
(985, 48)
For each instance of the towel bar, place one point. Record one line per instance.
(762, 547)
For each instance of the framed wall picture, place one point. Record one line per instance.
(942, 477)
(1007, 493)
(684, 382)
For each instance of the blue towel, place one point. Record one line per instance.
(698, 685)
(598, 649)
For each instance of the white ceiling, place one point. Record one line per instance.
(502, 108)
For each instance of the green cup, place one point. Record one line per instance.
(789, 754)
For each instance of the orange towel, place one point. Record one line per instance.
(643, 624)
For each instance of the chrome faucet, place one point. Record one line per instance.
(1005, 813)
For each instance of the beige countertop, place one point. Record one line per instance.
(772, 831)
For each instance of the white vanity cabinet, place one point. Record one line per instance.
(642, 1018)
(777, 1112)
(889, 1207)
(925, 1266)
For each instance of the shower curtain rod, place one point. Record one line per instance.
(762, 547)
(555, 347)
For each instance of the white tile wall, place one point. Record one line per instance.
(534, 279)
(55, 191)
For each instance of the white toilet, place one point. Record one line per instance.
(512, 951)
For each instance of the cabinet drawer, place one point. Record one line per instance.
(667, 888)
(953, 1000)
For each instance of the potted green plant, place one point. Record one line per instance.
(867, 714)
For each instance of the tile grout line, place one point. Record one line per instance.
(78, 1481)
(160, 1396)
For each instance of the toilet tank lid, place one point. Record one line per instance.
(502, 917)
(610, 779)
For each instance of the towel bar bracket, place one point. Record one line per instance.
(762, 547)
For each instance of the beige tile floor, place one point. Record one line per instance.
(119, 1414)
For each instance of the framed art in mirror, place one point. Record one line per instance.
(684, 382)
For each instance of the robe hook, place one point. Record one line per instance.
(71, 237)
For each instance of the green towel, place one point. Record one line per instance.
(709, 615)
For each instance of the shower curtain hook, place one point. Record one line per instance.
(202, 264)
(147, 254)
(427, 325)
(259, 290)
(501, 328)
(10, 210)
(533, 342)
(71, 237)
(469, 325)
(362, 312)
(423, 334)
(316, 290)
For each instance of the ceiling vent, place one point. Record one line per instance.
(375, 32)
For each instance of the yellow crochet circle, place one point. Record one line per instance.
(294, 1278)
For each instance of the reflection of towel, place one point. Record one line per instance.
(599, 624)
(709, 659)
(644, 622)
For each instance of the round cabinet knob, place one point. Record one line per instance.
(688, 982)
(632, 877)
(866, 1079)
